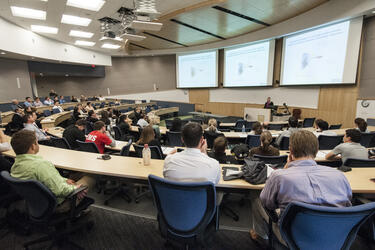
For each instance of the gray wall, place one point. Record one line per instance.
(9, 71)
(367, 80)
(126, 76)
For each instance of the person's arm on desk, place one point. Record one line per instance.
(334, 154)
(4, 144)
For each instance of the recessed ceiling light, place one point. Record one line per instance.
(28, 13)
(103, 38)
(373, 11)
(77, 33)
(110, 46)
(44, 29)
(44, 0)
(84, 43)
(93, 5)
(3, 53)
(75, 20)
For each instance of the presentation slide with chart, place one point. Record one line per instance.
(197, 70)
(250, 65)
(322, 56)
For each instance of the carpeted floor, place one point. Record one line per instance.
(114, 230)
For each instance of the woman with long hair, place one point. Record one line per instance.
(148, 137)
(265, 147)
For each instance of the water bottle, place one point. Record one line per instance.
(146, 154)
(243, 128)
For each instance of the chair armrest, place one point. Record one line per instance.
(73, 200)
(76, 191)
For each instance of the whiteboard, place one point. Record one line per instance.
(306, 97)
(177, 95)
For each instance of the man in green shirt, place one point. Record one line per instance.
(29, 166)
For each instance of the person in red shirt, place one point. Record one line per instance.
(100, 136)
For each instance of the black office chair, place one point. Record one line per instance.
(336, 126)
(187, 211)
(280, 160)
(155, 154)
(55, 111)
(360, 163)
(253, 141)
(240, 124)
(41, 205)
(168, 124)
(121, 189)
(60, 143)
(329, 141)
(174, 139)
(308, 122)
(275, 126)
(87, 147)
(118, 134)
(241, 129)
(366, 139)
(46, 113)
(284, 144)
(89, 128)
(210, 137)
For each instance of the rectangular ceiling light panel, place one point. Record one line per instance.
(75, 20)
(110, 46)
(28, 13)
(84, 43)
(44, 29)
(93, 5)
(77, 33)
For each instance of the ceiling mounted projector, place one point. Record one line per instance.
(142, 25)
(132, 37)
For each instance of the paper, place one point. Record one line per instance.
(321, 154)
(167, 150)
(242, 135)
(269, 170)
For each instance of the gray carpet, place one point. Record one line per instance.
(114, 230)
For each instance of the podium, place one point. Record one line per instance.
(257, 114)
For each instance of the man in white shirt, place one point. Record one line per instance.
(48, 101)
(57, 106)
(29, 124)
(192, 164)
(142, 122)
(101, 98)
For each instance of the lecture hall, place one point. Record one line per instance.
(201, 124)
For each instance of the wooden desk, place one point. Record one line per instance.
(164, 111)
(132, 168)
(6, 117)
(55, 119)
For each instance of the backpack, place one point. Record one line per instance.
(255, 172)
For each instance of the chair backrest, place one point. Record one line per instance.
(305, 226)
(275, 126)
(40, 201)
(118, 134)
(240, 129)
(89, 128)
(184, 208)
(46, 113)
(210, 137)
(366, 139)
(284, 143)
(329, 141)
(335, 126)
(125, 149)
(197, 121)
(168, 123)
(240, 123)
(174, 139)
(360, 163)
(102, 105)
(60, 143)
(87, 147)
(249, 124)
(55, 111)
(280, 159)
(253, 141)
(308, 122)
(155, 152)
(69, 108)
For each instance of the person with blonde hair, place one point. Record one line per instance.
(212, 126)
(265, 147)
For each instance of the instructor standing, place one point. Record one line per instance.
(268, 104)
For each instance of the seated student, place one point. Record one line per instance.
(176, 125)
(17, 119)
(212, 126)
(148, 137)
(62, 100)
(321, 127)
(101, 98)
(193, 163)
(89, 107)
(265, 147)
(29, 124)
(351, 148)
(256, 129)
(74, 99)
(136, 115)
(37, 102)
(28, 102)
(218, 151)
(154, 122)
(101, 137)
(142, 122)
(75, 132)
(29, 166)
(105, 117)
(47, 101)
(15, 104)
(289, 184)
(57, 106)
(4, 146)
(293, 127)
(124, 124)
(361, 125)
(92, 116)
(77, 112)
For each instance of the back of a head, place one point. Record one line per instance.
(176, 124)
(90, 113)
(303, 143)
(266, 139)
(323, 125)
(122, 119)
(220, 145)
(192, 134)
(99, 125)
(80, 122)
(104, 114)
(147, 135)
(354, 134)
(212, 125)
(293, 122)
(361, 124)
(257, 128)
(22, 141)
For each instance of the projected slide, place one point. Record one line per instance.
(197, 70)
(316, 57)
(248, 66)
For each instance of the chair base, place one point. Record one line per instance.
(120, 191)
(141, 195)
